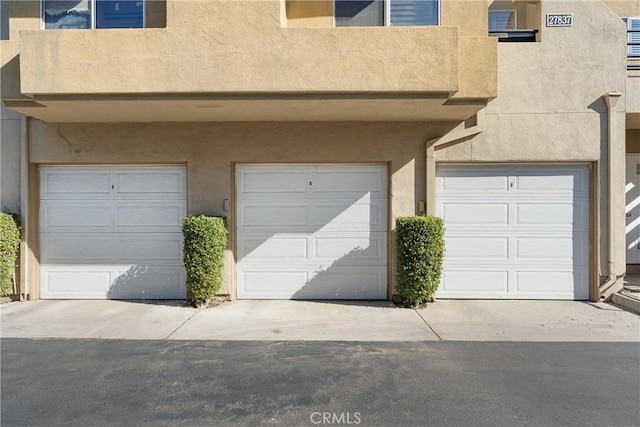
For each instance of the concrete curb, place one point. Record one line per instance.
(627, 302)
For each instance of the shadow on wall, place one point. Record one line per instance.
(147, 283)
(10, 82)
(346, 285)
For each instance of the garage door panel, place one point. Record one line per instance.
(82, 182)
(266, 247)
(88, 283)
(149, 248)
(465, 247)
(543, 228)
(482, 282)
(275, 215)
(144, 281)
(548, 214)
(336, 182)
(107, 248)
(56, 215)
(269, 283)
(352, 250)
(346, 283)
(301, 241)
(268, 182)
(463, 180)
(122, 242)
(64, 248)
(166, 182)
(337, 282)
(361, 215)
(113, 282)
(553, 181)
(151, 216)
(328, 248)
(567, 249)
(474, 213)
(562, 284)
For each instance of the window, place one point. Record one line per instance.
(61, 14)
(633, 37)
(367, 13)
(502, 20)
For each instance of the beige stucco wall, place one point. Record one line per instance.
(257, 56)
(210, 150)
(470, 17)
(550, 105)
(624, 7)
(10, 70)
(242, 46)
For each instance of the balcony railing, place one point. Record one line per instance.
(516, 36)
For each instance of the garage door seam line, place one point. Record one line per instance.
(428, 325)
(181, 325)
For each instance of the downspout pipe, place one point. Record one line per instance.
(614, 282)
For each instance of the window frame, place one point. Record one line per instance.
(93, 4)
(387, 15)
(515, 19)
(630, 30)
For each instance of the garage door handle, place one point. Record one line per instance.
(629, 215)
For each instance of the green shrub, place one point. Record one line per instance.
(205, 240)
(9, 246)
(419, 252)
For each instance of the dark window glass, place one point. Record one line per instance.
(414, 12)
(359, 13)
(119, 14)
(4, 20)
(59, 14)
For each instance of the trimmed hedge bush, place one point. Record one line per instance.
(205, 240)
(419, 252)
(9, 246)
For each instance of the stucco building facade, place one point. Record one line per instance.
(311, 125)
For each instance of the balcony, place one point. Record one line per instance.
(242, 62)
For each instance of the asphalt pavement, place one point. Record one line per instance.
(306, 363)
(87, 382)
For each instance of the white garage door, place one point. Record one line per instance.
(312, 231)
(518, 232)
(112, 232)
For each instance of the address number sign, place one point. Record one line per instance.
(559, 19)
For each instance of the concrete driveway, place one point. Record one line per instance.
(559, 321)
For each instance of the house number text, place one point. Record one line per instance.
(559, 19)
